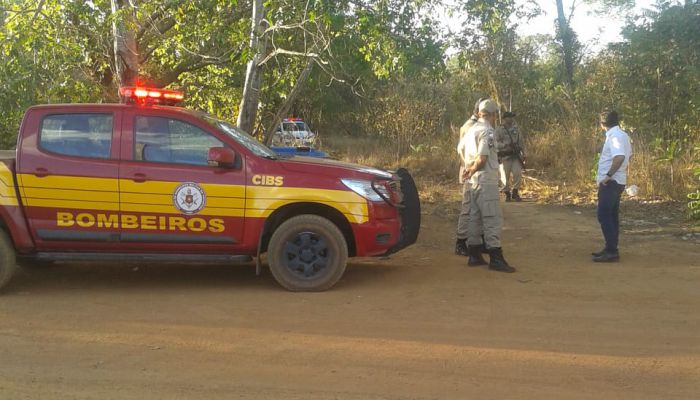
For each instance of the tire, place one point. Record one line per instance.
(307, 253)
(8, 264)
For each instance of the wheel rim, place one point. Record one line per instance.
(307, 255)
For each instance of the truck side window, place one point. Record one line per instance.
(78, 135)
(171, 141)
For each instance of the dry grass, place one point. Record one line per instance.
(437, 164)
(561, 162)
(435, 168)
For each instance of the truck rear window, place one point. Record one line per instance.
(78, 135)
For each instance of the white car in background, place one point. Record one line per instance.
(293, 132)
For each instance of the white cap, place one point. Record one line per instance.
(488, 106)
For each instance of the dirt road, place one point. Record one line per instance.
(420, 325)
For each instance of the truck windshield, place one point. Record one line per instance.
(241, 137)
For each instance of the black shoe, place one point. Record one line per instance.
(515, 196)
(598, 253)
(461, 248)
(475, 257)
(508, 197)
(607, 257)
(497, 262)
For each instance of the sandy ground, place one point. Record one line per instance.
(421, 325)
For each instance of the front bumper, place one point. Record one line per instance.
(409, 212)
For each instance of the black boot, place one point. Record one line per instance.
(475, 257)
(515, 195)
(507, 195)
(497, 262)
(461, 247)
(598, 253)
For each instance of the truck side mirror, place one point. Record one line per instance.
(223, 157)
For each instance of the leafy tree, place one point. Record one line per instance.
(492, 54)
(660, 72)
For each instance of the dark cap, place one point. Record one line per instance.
(509, 114)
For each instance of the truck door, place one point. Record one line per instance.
(67, 172)
(171, 199)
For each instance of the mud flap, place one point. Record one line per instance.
(409, 211)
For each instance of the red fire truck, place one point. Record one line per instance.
(150, 181)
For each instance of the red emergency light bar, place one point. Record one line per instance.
(143, 95)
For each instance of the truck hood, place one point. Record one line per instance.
(329, 167)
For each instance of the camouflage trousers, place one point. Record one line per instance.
(511, 173)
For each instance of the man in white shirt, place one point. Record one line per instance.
(611, 179)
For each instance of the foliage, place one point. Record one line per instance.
(383, 70)
(45, 60)
(660, 71)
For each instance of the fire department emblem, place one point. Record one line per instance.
(189, 198)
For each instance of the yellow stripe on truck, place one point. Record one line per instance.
(170, 209)
(222, 200)
(72, 192)
(71, 204)
(61, 194)
(68, 192)
(8, 196)
(263, 200)
(352, 218)
(70, 182)
(164, 187)
(163, 199)
(6, 175)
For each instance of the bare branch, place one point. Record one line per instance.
(193, 64)
(169, 24)
(154, 18)
(571, 13)
(279, 51)
(38, 9)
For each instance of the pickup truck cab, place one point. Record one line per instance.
(149, 182)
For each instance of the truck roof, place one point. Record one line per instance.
(113, 105)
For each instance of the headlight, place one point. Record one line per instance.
(380, 187)
(363, 188)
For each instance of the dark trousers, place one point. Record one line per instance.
(609, 213)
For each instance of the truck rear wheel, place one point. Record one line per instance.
(8, 264)
(307, 253)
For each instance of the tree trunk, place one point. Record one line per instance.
(126, 56)
(567, 40)
(251, 88)
(293, 94)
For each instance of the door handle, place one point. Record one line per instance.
(41, 172)
(139, 177)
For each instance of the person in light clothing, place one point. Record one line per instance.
(611, 179)
(463, 220)
(485, 217)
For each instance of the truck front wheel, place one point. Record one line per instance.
(307, 253)
(8, 264)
